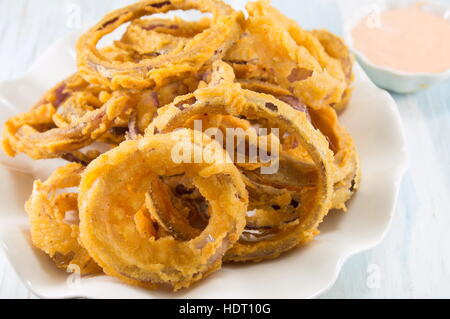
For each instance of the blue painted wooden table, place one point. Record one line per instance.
(414, 258)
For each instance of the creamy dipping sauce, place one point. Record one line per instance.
(407, 39)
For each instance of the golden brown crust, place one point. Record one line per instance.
(296, 58)
(64, 120)
(51, 230)
(107, 227)
(228, 98)
(224, 30)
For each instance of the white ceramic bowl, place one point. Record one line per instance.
(373, 120)
(393, 80)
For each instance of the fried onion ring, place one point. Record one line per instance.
(107, 227)
(347, 173)
(54, 220)
(346, 159)
(212, 43)
(297, 59)
(230, 99)
(336, 48)
(34, 132)
(155, 200)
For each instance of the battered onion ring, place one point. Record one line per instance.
(336, 48)
(273, 197)
(297, 59)
(153, 37)
(113, 188)
(34, 132)
(155, 71)
(346, 160)
(51, 229)
(231, 99)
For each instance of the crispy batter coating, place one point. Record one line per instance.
(153, 71)
(64, 120)
(337, 49)
(107, 225)
(54, 220)
(347, 170)
(296, 58)
(227, 98)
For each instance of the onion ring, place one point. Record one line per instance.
(336, 48)
(146, 209)
(347, 173)
(155, 71)
(153, 37)
(346, 160)
(230, 99)
(297, 59)
(107, 228)
(34, 133)
(54, 220)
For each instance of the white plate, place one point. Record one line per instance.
(373, 120)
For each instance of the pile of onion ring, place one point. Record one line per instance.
(126, 207)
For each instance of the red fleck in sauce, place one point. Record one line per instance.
(407, 39)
